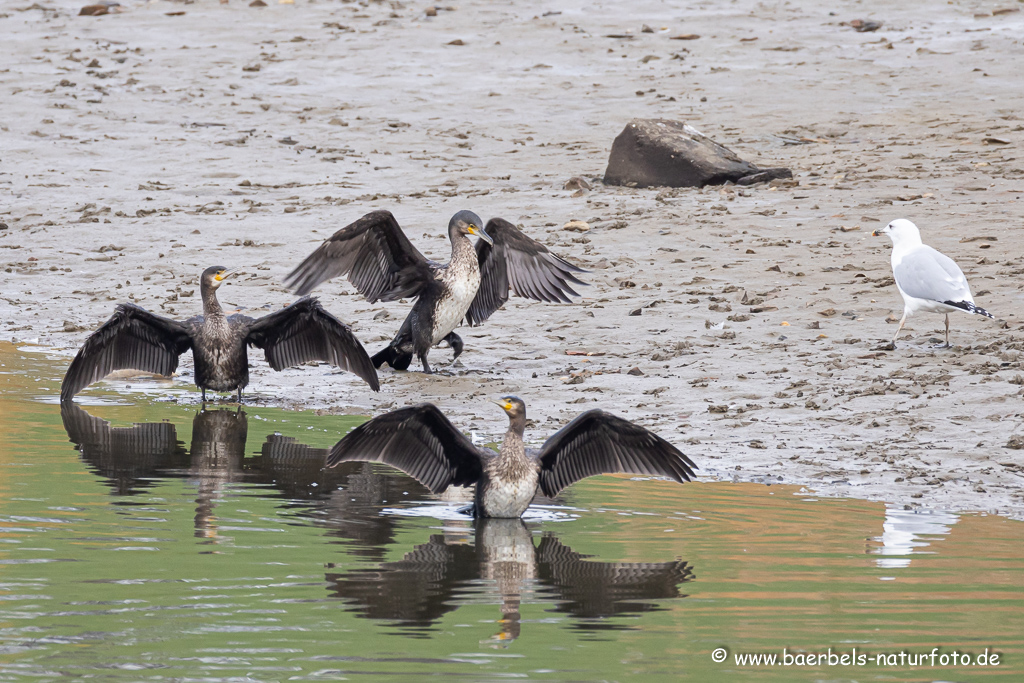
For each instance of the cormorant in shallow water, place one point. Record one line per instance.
(421, 442)
(383, 265)
(136, 339)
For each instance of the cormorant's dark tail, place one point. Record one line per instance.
(969, 307)
(393, 357)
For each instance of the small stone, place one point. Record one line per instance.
(865, 26)
(635, 371)
(457, 41)
(257, 3)
(1016, 443)
(94, 11)
(637, 311)
(576, 226)
(431, 11)
(576, 183)
(766, 175)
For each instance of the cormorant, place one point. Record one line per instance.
(439, 576)
(383, 265)
(928, 279)
(136, 339)
(421, 442)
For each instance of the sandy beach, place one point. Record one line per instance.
(139, 147)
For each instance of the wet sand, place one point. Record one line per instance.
(142, 146)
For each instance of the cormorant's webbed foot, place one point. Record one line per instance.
(455, 342)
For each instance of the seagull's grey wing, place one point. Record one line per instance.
(597, 442)
(133, 339)
(304, 331)
(418, 440)
(375, 255)
(523, 264)
(926, 273)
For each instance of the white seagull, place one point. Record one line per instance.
(928, 279)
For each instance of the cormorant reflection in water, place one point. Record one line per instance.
(416, 591)
(345, 500)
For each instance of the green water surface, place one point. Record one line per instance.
(210, 546)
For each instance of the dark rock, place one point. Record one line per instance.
(765, 175)
(661, 152)
(635, 371)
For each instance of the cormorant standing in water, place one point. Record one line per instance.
(381, 262)
(421, 442)
(136, 339)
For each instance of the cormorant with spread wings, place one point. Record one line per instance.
(421, 442)
(136, 339)
(380, 261)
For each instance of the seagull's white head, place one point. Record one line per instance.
(901, 232)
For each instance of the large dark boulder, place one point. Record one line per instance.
(660, 152)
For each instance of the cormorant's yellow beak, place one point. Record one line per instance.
(505, 405)
(479, 232)
(222, 275)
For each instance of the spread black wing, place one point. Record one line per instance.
(418, 440)
(127, 456)
(305, 331)
(415, 591)
(375, 255)
(597, 442)
(133, 339)
(592, 589)
(523, 264)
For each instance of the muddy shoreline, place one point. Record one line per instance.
(142, 146)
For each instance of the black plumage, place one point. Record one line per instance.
(129, 458)
(383, 265)
(133, 338)
(421, 442)
(435, 578)
(524, 265)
